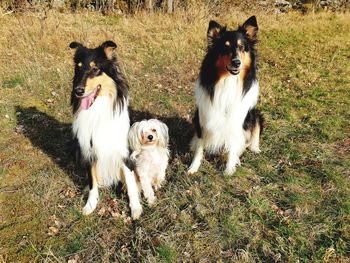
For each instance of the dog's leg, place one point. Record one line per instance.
(159, 178)
(235, 149)
(254, 140)
(233, 160)
(133, 193)
(93, 193)
(146, 185)
(198, 155)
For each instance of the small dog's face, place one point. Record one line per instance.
(232, 48)
(148, 133)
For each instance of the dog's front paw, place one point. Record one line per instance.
(136, 212)
(91, 203)
(230, 170)
(254, 149)
(151, 200)
(89, 207)
(193, 169)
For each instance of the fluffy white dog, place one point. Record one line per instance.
(148, 141)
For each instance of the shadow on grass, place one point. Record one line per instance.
(180, 130)
(54, 138)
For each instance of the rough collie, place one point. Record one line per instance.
(101, 121)
(226, 118)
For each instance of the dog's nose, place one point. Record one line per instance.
(150, 137)
(236, 63)
(79, 90)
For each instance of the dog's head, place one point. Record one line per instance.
(148, 133)
(232, 49)
(94, 73)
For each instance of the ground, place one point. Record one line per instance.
(289, 203)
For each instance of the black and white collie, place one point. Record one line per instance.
(226, 94)
(101, 121)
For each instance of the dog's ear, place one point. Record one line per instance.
(165, 134)
(214, 32)
(250, 28)
(75, 45)
(133, 137)
(109, 49)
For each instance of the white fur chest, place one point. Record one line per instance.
(222, 118)
(102, 136)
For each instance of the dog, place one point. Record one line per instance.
(226, 92)
(148, 141)
(99, 99)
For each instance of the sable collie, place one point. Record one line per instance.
(226, 119)
(101, 121)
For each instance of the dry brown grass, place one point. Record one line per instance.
(290, 203)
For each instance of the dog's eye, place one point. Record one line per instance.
(154, 130)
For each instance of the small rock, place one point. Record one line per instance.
(7, 116)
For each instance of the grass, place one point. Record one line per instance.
(290, 203)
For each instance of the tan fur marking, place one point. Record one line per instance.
(80, 64)
(221, 64)
(227, 43)
(107, 85)
(109, 51)
(255, 138)
(250, 31)
(94, 175)
(246, 64)
(92, 64)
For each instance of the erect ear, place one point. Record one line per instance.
(109, 49)
(75, 45)
(251, 28)
(214, 31)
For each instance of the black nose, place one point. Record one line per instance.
(150, 137)
(236, 63)
(79, 90)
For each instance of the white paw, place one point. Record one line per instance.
(91, 203)
(193, 169)
(136, 212)
(254, 149)
(151, 200)
(230, 170)
(89, 207)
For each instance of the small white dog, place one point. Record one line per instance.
(148, 141)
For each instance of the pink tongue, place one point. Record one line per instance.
(88, 100)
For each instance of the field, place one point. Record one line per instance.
(291, 203)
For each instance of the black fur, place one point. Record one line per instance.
(253, 118)
(197, 124)
(217, 36)
(108, 65)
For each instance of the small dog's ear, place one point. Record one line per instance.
(133, 137)
(109, 49)
(165, 134)
(214, 32)
(75, 45)
(251, 28)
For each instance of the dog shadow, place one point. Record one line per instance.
(180, 130)
(52, 137)
(55, 139)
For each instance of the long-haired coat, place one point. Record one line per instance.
(101, 121)
(148, 141)
(226, 95)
